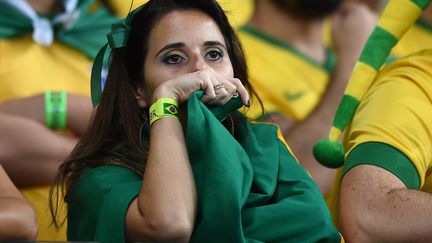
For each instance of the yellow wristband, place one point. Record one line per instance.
(163, 107)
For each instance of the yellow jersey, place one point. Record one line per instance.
(288, 82)
(392, 127)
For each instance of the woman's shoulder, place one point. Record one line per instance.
(98, 194)
(266, 132)
(266, 129)
(105, 177)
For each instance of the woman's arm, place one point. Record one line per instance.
(167, 202)
(17, 217)
(166, 206)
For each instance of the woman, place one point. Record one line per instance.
(148, 169)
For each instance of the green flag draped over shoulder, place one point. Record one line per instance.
(253, 189)
(250, 189)
(86, 33)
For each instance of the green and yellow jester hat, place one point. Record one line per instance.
(397, 18)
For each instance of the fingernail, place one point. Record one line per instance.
(248, 103)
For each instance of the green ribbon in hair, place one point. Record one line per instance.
(390, 29)
(117, 38)
(86, 34)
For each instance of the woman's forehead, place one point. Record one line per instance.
(186, 26)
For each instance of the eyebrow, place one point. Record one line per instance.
(169, 46)
(181, 44)
(214, 43)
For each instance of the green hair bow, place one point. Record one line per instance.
(398, 17)
(118, 37)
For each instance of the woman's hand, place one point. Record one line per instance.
(218, 90)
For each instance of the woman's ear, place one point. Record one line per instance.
(140, 97)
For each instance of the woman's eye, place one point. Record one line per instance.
(214, 55)
(173, 59)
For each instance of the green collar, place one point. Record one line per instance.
(328, 65)
(86, 33)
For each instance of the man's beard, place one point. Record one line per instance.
(308, 9)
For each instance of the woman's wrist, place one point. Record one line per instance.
(164, 92)
(163, 108)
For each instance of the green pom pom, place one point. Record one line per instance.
(329, 153)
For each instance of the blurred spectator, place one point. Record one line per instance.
(295, 73)
(375, 5)
(17, 217)
(382, 192)
(47, 48)
(386, 184)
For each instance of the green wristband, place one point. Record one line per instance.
(55, 109)
(163, 107)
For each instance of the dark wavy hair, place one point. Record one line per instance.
(113, 136)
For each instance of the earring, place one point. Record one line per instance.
(145, 129)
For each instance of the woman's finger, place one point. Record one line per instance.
(241, 90)
(219, 89)
(208, 87)
(230, 88)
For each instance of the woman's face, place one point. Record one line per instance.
(184, 42)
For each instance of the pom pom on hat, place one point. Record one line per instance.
(329, 153)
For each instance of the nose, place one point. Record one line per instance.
(199, 64)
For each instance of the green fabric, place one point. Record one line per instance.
(386, 157)
(378, 48)
(101, 197)
(96, 75)
(422, 3)
(345, 111)
(251, 189)
(424, 24)
(87, 35)
(330, 61)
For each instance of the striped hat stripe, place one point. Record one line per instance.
(378, 48)
(345, 112)
(421, 3)
(399, 16)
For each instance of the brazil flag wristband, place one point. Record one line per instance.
(163, 107)
(55, 109)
